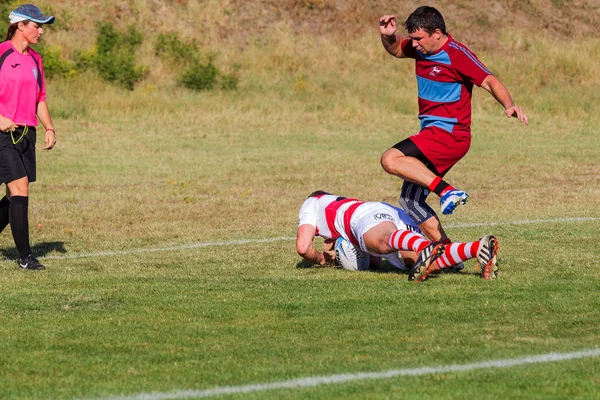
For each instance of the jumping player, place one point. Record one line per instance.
(381, 229)
(446, 72)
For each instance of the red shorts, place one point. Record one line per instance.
(442, 148)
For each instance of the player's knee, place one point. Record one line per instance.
(418, 211)
(390, 159)
(380, 248)
(384, 248)
(19, 187)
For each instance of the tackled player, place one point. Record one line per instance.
(383, 230)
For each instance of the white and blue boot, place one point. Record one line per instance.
(451, 199)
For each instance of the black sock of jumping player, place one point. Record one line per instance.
(440, 186)
(4, 205)
(19, 224)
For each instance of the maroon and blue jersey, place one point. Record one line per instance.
(445, 80)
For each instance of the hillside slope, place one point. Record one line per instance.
(234, 21)
(316, 51)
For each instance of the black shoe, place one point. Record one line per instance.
(426, 257)
(30, 262)
(486, 257)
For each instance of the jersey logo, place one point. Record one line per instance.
(383, 216)
(15, 65)
(35, 72)
(435, 71)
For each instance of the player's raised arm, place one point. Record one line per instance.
(391, 43)
(502, 95)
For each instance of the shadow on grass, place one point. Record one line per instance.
(39, 250)
(383, 268)
(387, 268)
(306, 265)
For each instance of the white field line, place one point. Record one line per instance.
(287, 238)
(335, 379)
(171, 248)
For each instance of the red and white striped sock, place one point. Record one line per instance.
(407, 240)
(457, 252)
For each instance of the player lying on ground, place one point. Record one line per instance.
(382, 230)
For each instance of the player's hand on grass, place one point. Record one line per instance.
(387, 25)
(517, 112)
(329, 252)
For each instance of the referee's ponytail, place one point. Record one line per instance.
(12, 28)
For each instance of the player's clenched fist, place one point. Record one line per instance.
(387, 25)
(329, 251)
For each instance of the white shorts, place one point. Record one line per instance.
(395, 260)
(371, 214)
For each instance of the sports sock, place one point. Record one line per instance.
(407, 240)
(440, 186)
(19, 223)
(4, 205)
(457, 252)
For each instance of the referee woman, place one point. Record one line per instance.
(22, 98)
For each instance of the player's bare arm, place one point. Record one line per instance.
(501, 94)
(304, 245)
(391, 43)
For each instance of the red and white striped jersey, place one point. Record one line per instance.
(334, 216)
(330, 215)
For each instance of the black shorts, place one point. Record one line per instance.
(410, 149)
(17, 160)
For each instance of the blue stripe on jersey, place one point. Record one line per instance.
(439, 92)
(471, 56)
(442, 57)
(446, 124)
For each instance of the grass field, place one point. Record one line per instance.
(138, 209)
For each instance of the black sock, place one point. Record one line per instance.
(19, 223)
(4, 205)
(440, 186)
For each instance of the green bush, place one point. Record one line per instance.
(54, 64)
(169, 45)
(6, 6)
(85, 59)
(229, 81)
(201, 76)
(115, 56)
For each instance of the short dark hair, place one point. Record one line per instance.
(317, 193)
(427, 18)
